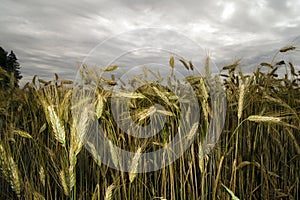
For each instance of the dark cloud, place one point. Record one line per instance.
(55, 36)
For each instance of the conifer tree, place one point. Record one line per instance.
(10, 70)
(13, 66)
(3, 74)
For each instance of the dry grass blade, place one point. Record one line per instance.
(217, 178)
(96, 194)
(233, 197)
(280, 102)
(243, 164)
(297, 147)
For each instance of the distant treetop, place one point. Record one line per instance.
(9, 70)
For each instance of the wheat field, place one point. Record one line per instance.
(257, 156)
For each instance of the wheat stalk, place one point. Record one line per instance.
(241, 100)
(109, 192)
(79, 130)
(22, 134)
(258, 118)
(64, 182)
(193, 131)
(42, 175)
(10, 170)
(146, 113)
(96, 194)
(110, 68)
(130, 95)
(134, 165)
(287, 48)
(38, 196)
(204, 100)
(57, 126)
(114, 154)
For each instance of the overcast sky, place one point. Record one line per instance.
(54, 36)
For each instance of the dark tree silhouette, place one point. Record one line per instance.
(10, 74)
(3, 76)
(3, 55)
(13, 66)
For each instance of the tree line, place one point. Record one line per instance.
(10, 74)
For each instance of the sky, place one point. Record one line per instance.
(56, 36)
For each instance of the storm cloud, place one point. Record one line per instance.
(55, 36)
